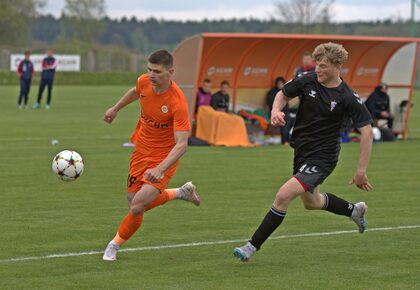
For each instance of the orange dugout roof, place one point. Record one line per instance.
(251, 62)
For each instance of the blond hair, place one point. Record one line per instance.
(334, 52)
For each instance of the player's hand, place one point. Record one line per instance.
(277, 119)
(110, 115)
(153, 174)
(361, 181)
(385, 114)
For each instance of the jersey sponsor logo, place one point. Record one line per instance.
(312, 93)
(164, 109)
(359, 100)
(333, 104)
(310, 170)
(153, 123)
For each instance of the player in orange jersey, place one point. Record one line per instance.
(160, 139)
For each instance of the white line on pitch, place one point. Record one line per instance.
(197, 244)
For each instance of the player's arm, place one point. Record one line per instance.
(19, 70)
(129, 97)
(360, 179)
(277, 116)
(181, 139)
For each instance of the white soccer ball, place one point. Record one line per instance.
(68, 165)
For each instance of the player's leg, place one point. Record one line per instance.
(313, 200)
(289, 191)
(187, 192)
(22, 92)
(390, 122)
(28, 88)
(132, 221)
(40, 92)
(332, 203)
(49, 87)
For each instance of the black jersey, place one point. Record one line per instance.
(321, 114)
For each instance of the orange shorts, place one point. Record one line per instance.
(139, 164)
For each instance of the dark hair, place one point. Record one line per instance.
(224, 83)
(307, 53)
(279, 79)
(207, 81)
(162, 57)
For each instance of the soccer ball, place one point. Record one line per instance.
(68, 165)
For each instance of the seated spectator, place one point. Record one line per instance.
(271, 94)
(203, 95)
(220, 100)
(378, 104)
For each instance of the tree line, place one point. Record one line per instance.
(84, 24)
(146, 35)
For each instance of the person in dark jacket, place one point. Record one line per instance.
(25, 71)
(220, 100)
(289, 113)
(308, 64)
(378, 104)
(271, 94)
(49, 64)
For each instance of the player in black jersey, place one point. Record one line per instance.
(326, 101)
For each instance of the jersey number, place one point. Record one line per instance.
(131, 180)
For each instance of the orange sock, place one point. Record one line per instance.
(163, 197)
(128, 227)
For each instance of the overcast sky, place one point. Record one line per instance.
(344, 10)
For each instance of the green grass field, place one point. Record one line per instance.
(42, 216)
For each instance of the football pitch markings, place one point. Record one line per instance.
(198, 244)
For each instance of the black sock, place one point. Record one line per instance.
(337, 205)
(270, 222)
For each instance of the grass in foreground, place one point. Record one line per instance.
(41, 215)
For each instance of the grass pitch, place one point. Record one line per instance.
(42, 216)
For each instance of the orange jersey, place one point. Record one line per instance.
(161, 115)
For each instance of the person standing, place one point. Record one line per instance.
(325, 102)
(49, 65)
(161, 138)
(25, 72)
(288, 112)
(271, 94)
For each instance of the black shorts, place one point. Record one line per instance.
(310, 174)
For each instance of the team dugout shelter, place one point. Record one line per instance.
(250, 62)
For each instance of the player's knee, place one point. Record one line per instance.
(137, 209)
(282, 198)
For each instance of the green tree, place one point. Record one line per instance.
(303, 13)
(82, 19)
(15, 19)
